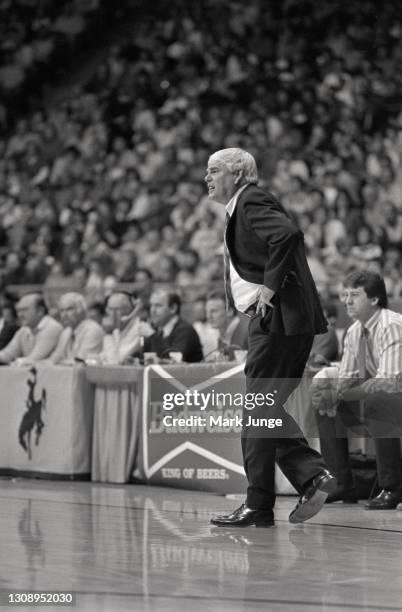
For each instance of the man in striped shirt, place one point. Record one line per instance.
(368, 390)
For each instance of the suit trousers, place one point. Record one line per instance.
(381, 420)
(275, 364)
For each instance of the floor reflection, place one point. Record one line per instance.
(140, 544)
(31, 536)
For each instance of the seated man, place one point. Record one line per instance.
(172, 333)
(364, 390)
(207, 334)
(8, 323)
(232, 327)
(96, 311)
(81, 336)
(123, 314)
(38, 335)
(143, 285)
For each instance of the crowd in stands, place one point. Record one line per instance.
(110, 180)
(38, 40)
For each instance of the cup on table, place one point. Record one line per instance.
(176, 356)
(150, 358)
(93, 360)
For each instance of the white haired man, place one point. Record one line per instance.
(267, 277)
(123, 311)
(81, 336)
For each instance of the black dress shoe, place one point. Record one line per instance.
(313, 498)
(347, 496)
(244, 517)
(386, 500)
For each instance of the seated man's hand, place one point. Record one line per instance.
(145, 329)
(21, 361)
(71, 362)
(323, 397)
(318, 360)
(134, 313)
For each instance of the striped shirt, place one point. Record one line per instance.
(383, 352)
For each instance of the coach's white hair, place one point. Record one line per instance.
(237, 159)
(74, 299)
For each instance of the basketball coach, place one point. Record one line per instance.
(267, 277)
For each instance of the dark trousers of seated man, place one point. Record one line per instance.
(382, 420)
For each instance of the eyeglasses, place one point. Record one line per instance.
(345, 295)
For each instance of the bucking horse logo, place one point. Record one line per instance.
(32, 418)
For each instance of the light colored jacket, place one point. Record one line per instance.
(35, 344)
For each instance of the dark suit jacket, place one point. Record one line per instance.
(183, 338)
(266, 247)
(7, 333)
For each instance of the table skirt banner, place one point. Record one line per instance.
(46, 416)
(115, 434)
(116, 429)
(194, 455)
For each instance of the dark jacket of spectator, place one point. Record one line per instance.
(6, 333)
(183, 338)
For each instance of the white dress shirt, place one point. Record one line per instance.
(244, 293)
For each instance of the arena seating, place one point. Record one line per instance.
(111, 178)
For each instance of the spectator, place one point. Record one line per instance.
(38, 335)
(188, 262)
(365, 248)
(8, 322)
(232, 326)
(81, 335)
(207, 334)
(123, 311)
(96, 312)
(172, 333)
(143, 284)
(371, 363)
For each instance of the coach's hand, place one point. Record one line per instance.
(264, 301)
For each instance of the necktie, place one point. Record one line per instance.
(362, 354)
(159, 333)
(226, 260)
(362, 365)
(366, 361)
(371, 366)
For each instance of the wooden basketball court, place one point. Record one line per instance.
(146, 548)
